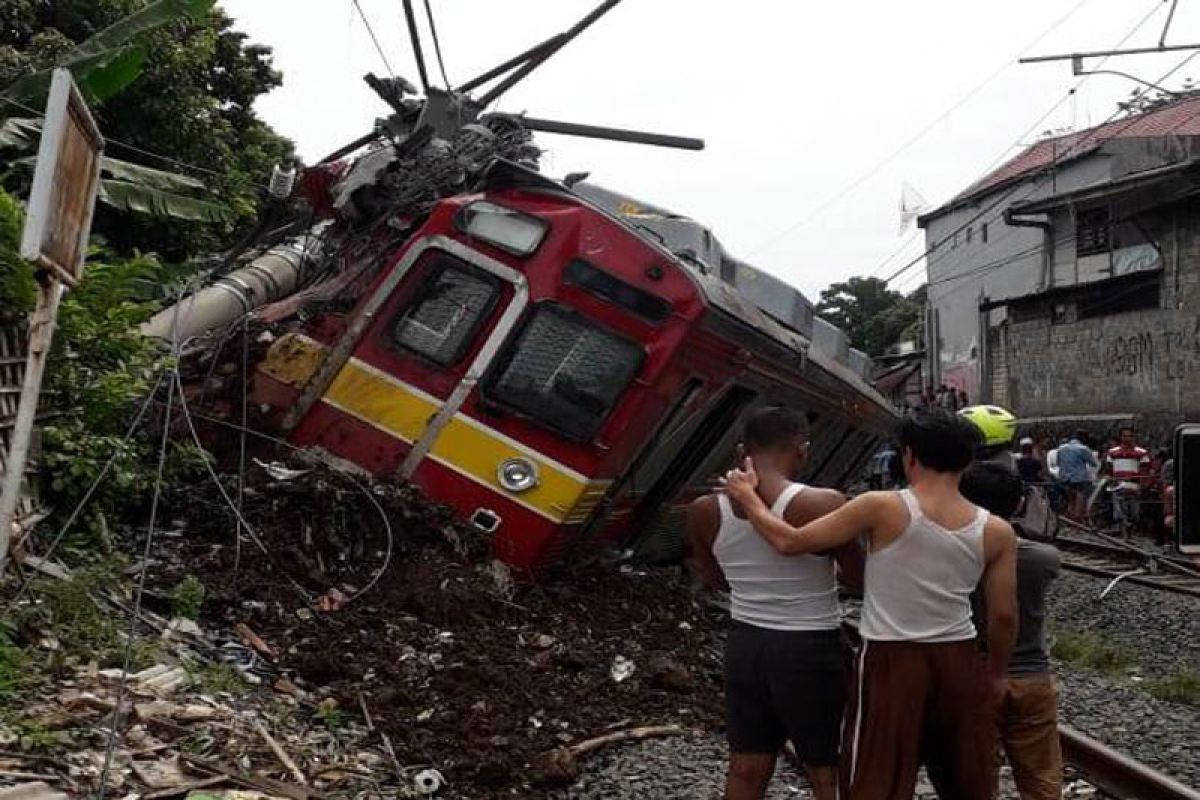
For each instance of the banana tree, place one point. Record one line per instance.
(103, 65)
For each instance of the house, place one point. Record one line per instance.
(899, 375)
(1064, 284)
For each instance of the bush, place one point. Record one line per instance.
(187, 598)
(1089, 649)
(17, 288)
(1182, 687)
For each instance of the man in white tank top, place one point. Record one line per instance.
(785, 660)
(922, 691)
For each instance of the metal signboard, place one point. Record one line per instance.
(65, 183)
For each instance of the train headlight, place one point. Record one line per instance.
(512, 231)
(517, 474)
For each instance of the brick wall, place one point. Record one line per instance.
(1144, 362)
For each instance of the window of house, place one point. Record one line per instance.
(969, 232)
(983, 233)
(442, 320)
(1092, 232)
(1135, 293)
(564, 371)
(1060, 312)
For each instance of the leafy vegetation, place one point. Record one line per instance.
(187, 598)
(17, 289)
(1180, 687)
(871, 314)
(218, 678)
(170, 77)
(1090, 650)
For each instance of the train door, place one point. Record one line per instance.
(416, 350)
(654, 526)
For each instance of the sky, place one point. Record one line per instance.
(814, 114)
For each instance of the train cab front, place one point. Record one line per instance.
(511, 361)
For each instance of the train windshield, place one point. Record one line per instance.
(443, 318)
(565, 372)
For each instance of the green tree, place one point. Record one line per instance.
(191, 102)
(871, 314)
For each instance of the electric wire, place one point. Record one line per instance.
(921, 133)
(437, 45)
(374, 39)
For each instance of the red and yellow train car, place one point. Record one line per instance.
(558, 371)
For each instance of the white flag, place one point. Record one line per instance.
(911, 206)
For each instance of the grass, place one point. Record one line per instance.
(1181, 687)
(1092, 651)
(187, 597)
(218, 679)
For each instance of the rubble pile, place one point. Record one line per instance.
(346, 657)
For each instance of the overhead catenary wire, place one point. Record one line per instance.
(1058, 157)
(374, 39)
(437, 45)
(874, 169)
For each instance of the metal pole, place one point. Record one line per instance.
(616, 134)
(41, 332)
(496, 71)
(415, 38)
(1162, 40)
(1131, 52)
(553, 48)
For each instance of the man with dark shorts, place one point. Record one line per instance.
(785, 660)
(1074, 459)
(922, 693)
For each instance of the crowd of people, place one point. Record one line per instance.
(1120, 482)
(952, 665)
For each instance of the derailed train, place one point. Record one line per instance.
(565, 365)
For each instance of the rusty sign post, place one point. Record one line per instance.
(58, 221)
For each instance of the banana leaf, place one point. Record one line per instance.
(20, 132)
(148, 176)
(125, 30)
(158, 203)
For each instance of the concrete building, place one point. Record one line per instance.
(1089, 232)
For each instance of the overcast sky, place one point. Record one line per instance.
(803, 104)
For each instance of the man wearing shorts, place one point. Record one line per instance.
(785, 660)
(1074, 459)
(923, 694)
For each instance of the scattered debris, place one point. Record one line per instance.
(622, 668)
(428, 781)
(561, 765)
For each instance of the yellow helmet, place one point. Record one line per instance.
(997, 425)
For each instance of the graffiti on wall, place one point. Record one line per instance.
(1131, 355)
(1172, 353)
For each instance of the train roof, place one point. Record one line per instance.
(742, 291)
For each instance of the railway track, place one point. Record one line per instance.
(1094, 552)
(1110, 771)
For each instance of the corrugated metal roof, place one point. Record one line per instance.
(1181, 118)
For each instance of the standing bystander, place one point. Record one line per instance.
(1028, 714)
(1074, 459)
(785, 660)
(922, 693)
(1129, 466)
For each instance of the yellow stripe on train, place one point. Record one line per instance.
(464, 445)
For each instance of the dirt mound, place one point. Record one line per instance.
(464, 668)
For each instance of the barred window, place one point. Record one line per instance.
(446, 314)
(565, 372)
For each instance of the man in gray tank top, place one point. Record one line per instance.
(922, 692)
(1029, 711)
(785, 660)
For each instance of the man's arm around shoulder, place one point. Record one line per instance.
(814, 503)
(703, 524)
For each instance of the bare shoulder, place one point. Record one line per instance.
(998, 536)
(813, 503)
(704, 511)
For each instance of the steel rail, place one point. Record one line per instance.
(1116, 773)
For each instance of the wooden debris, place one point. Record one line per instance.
(253, 640)
(37, 790)
(249, 781)
(561, 765)
(280, 753)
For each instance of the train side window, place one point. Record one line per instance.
(565, 372)
(600, 283)
(446, 314)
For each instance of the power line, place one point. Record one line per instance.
(175, 162)
(879, 165)
(437, 45)
(371, 31)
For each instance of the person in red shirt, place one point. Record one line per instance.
(1129, 466)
